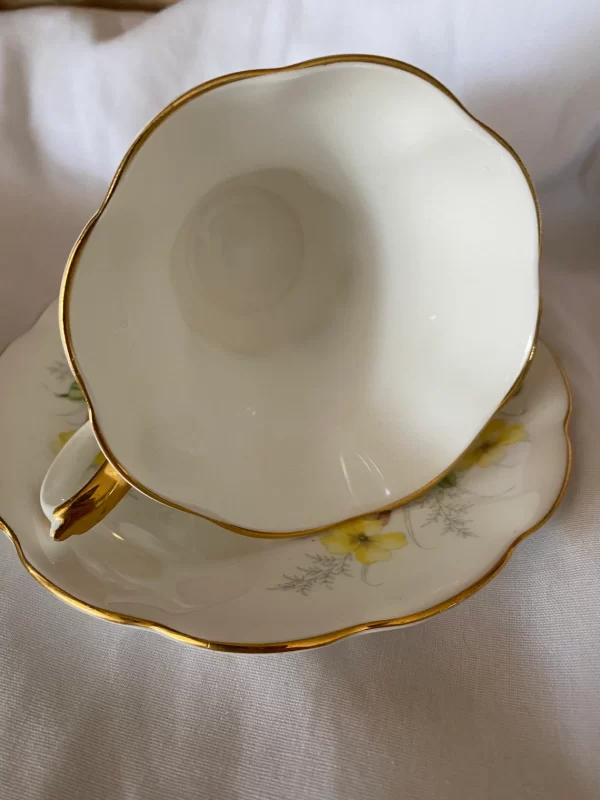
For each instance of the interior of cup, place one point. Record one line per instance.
(307, 294)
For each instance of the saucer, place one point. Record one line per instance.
(180, 575)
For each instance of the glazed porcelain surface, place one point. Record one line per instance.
(306, 293)
(152, 566)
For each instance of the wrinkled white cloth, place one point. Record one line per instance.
(498, 699)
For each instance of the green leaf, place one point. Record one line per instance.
(449, 481)
(75, 392)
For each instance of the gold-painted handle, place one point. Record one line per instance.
(90, 504)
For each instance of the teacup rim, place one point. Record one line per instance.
(155, 122)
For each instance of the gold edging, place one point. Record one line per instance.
(324, 638)
(73, 259)
(88, 506)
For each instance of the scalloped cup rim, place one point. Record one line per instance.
(252, 511)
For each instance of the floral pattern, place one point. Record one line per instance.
(72, 392)
(490, 446)
(364, 539)
(448, 505)
(359, 539)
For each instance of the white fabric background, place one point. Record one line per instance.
(498, 699)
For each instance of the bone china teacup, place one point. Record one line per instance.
(306, 292)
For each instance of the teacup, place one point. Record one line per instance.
(305, 293)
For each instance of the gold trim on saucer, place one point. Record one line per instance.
(324, 638)
(138, 142)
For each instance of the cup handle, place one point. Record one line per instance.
(73, 511)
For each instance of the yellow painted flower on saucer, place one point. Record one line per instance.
(490, 446)
(362, 537)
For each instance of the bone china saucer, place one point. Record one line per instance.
(169, 571)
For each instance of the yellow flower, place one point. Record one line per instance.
(489, 447)
(362, 537)
(64, 437)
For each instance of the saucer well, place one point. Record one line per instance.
(151, 566)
